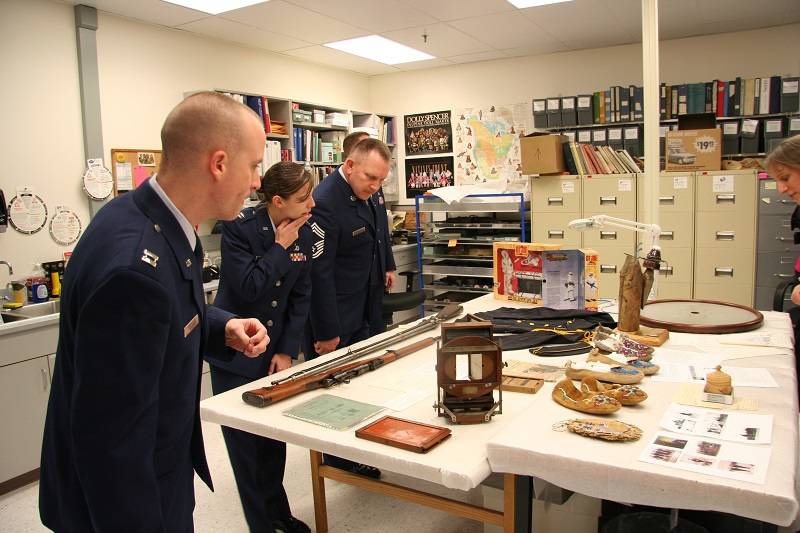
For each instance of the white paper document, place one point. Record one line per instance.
(744, 462)
(696, 373)
(723, 425)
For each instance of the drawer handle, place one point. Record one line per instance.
(555, 200)
(785, 239)
(784, 275)
(666, 271)
(667, 235)
(723, 271)
(666, 200)
(608, 200)
(725, 235)
(722, 198)
(786, 260)
(45, 379)
(555, 234)
(787, 201)
(608, 235)
(608, 269)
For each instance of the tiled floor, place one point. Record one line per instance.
(350, 510)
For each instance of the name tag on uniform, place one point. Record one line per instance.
(189, 327)
(359, 231)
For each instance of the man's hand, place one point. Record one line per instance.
(323, 347)
(287, 231)
(391, 277)
(280, 361)
(246, 335)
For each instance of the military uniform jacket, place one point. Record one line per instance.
(352, 252)
(122, 433)
(262, 280)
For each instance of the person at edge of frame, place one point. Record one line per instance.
(122, 437)
(266, 273)
(353, 262)
(783, 164)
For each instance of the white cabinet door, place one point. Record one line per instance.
(24, 389)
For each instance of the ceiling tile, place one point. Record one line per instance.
(337, 59)
(722, 10)
(376, 16)
(480, 56)
(281, 17)
(580, 24)
(443, 40)
(243, 34)
(534, 50)
(152, 11)
(504, 30)
(459, 9)
(428, 63)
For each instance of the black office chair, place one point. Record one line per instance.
(786, 286)
(401, 301)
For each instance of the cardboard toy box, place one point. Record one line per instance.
(542, 154)
(542, 274)
(694, 150)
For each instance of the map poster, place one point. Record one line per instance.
(428, 173)
(428, 133)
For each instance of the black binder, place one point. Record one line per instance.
(773, 133)
(749, 133)
(539, 113)
(632, 140)
(730, 137)
(585, 110)
(614, 138)
(790, 103)
(569, 115)
(554, 112)
(599, 137)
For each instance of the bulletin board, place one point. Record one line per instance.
(130, 167)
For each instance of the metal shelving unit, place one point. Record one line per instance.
(455, 253)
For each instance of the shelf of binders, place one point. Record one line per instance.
(314, 126)
(667, 121)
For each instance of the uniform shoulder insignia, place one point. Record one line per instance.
(246, 213)
(319, 244)
(150, 258)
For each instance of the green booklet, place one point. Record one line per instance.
(333, 411)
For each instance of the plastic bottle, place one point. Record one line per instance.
(37, 284)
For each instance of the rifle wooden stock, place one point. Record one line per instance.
(264, 396)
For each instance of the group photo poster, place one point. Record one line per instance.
(428, 173)
(428, 133)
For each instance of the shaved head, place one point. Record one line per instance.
(202, 123)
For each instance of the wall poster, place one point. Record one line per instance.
(428, 173)
(428, 133)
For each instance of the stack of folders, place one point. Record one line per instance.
(586, 159)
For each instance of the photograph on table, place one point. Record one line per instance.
(428, 173)
(428, 133)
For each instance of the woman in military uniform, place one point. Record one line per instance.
(266, 273)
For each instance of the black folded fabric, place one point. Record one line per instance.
(522, 322)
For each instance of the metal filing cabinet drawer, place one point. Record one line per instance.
(771, 202)
(727, 191)
(610, 195)
(552, 228)
(611, 259)
(676, 192)
(775, 234)
(556, 194)
(724, 231)
(611, 236)
(728, 267)
(667, 290)
(678, 267)
(774, 267)
(733, 293)
(677, 230)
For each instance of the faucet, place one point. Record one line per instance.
(10, 269)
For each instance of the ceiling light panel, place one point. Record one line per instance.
(380, 49)
(215, 7)
(522, 4)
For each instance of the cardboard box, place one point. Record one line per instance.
(545, 275)
(542, 154)
(694, 150)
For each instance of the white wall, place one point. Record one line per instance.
(748, 54)
(144, 71)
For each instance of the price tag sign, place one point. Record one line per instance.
(705, 144)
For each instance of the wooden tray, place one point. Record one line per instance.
(406, 434)
(700, 316)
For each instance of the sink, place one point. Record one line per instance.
(31, 311)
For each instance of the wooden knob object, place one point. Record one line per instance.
(718, 382)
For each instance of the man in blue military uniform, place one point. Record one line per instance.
(122, 435)
(353, 261)
(266, 273)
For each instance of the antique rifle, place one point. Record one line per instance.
(265, 396)
(428, 323)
